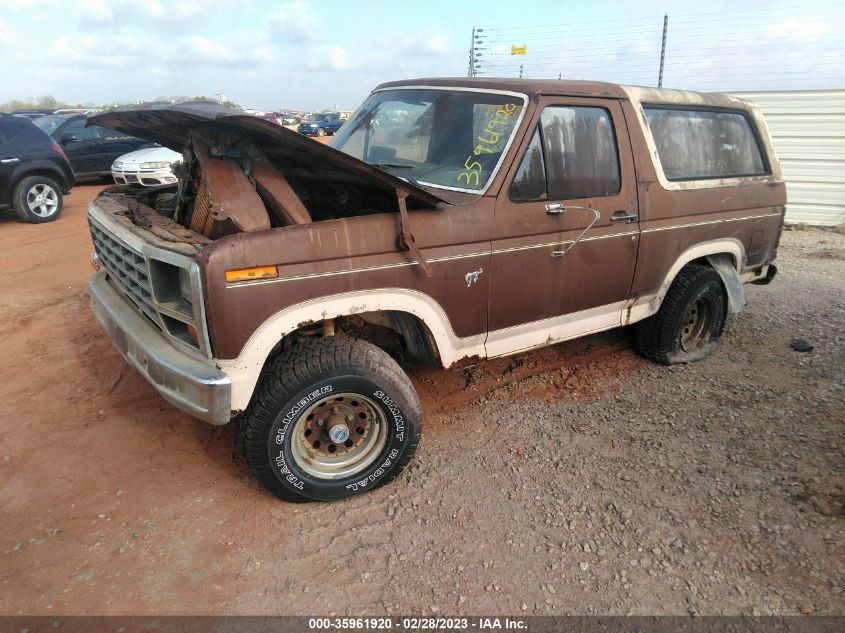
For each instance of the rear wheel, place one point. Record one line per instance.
(690, 321)
(331, 418)
(37, 199)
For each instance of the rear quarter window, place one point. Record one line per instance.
(10, 128)
(705, 144)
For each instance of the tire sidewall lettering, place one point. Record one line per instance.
(279, 441)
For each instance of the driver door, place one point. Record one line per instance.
(566, 230)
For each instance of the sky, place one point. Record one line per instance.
(325, 54)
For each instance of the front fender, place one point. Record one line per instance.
(245, 370)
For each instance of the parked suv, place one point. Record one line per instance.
(91, 150)
(451, 220)
(320, 124)
(34, 171)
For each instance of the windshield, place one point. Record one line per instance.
(49, 123)
(453, 139)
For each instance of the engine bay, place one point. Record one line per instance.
(227, 184)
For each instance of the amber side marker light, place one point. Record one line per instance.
(192, 332)
(250, 274)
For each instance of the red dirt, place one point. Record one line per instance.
(114, 501)
(714, 488)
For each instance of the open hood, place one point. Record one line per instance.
(170, 126)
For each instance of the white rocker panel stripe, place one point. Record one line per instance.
(245, 370)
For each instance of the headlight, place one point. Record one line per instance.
(160, 165)
(171, 286)
(117, 165)
(185, 286)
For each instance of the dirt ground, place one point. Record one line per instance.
(579, 479)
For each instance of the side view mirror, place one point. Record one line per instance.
(68, 138)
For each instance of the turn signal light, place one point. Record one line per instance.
(251, 274)
(192, 332)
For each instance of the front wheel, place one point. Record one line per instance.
(690, 320)
(37, 199)
(331, 418)
(321, 132)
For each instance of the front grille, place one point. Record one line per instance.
(127, 268)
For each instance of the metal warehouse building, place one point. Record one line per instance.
(808, 129)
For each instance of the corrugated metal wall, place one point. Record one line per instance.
(808, 130)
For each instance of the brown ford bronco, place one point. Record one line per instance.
(283, 282)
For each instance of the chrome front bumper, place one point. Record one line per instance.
(186, 382)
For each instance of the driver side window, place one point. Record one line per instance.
(572, 155)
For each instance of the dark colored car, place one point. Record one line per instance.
(34, 171)
(320, 124)
(91, 150)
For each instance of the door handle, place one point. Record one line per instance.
(10, 160)
(624, 216)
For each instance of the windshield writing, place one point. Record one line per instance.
(439, 137)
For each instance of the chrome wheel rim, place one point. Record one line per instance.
(339, 436)
(697, 325)
(42, 200)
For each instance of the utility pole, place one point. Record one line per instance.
(475, 52)
(470, 69)
(663, 50)
(520, 71)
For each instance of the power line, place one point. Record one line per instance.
(697, 49)
(781, 11)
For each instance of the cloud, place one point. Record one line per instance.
(168, 57)
(296, 21)
(184, 10)
(21, 5)
(807, 29)
(328, 57)
(98, 10)
(6, 37)
(427, 41)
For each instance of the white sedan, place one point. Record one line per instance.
(149, 167)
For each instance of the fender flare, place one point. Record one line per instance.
(40, 166)
(245, 370)
(723, 264)
(730, 255)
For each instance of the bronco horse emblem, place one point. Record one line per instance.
(472, 277)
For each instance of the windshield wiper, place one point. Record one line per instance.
(388, 166)
(392, 165)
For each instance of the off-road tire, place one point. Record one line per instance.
(22, 204)
(286, 392)
(661, 337)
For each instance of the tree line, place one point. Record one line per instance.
(49, 102)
